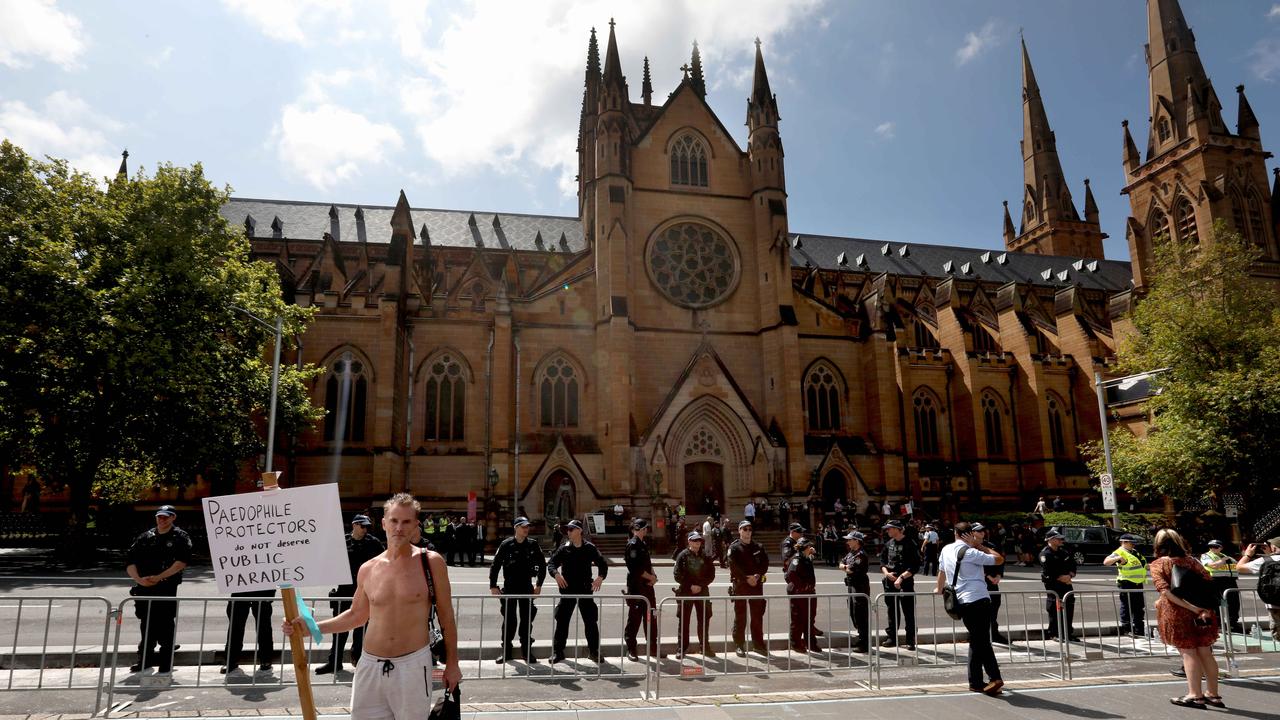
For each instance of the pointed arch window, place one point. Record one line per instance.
(1057, 436)
(984, 341)
(1238, 216)
(1185, 216)
(689, 162)
(558, 394)
(923, 335)
(1158, 226)
(924, 409)
(822, 391)
(446, 399)
(993, 423)
(1164, 130)
(1257, 229)
(346, 395)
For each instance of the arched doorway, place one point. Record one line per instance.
(834, 487)
(558, 497)
(703, 487)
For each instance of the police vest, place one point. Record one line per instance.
(1213, 557)
(1131, 568)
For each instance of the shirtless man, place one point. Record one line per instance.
(393, 677)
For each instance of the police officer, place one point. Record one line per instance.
(992, 574)
(570, 565)
(899, 563)
(362, 547)
(1131, 575)
(795, 533)
(1222, 569)
(156, 560)
(640, 581)
(694, 572)
(523, 568)
(854, 564)
(802, 580)
(748, 564)
(1057, 568)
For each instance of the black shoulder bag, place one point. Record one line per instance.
(950, 602)
(434, 636)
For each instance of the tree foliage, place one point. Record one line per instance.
(1214, 426)
(123, 356)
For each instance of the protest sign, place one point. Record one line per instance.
(262, 540)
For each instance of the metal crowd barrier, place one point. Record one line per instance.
(52, 636)
(939, 638)
(833, 617)
(1260, 634)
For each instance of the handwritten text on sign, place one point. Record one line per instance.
(262, 540)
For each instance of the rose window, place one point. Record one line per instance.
(692, 265)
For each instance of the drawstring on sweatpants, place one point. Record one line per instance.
(387, 667)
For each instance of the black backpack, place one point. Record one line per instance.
(1269, 581)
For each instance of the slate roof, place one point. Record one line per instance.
(455, 228)
(451, 228)
(941, 261)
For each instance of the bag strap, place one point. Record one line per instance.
(431, 586)
(955, 577)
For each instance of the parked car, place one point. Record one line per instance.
(1093, 543)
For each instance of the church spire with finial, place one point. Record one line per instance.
(695, 72)
(612, 65)
(123, 172)
(1042, 170)
(1009, 233)
(762, 106)
(646, 85)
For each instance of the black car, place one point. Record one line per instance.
(1093, 543)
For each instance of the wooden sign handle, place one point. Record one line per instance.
(297, 644)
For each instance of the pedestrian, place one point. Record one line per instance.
(993, 575)
(830, 545)
(749, 512)
(1040, 508)
(1265, 561)
(1222, 568)
(795, 533)
(523, 567)
(802, 580)
(899, 562)
(723, 539)
(694, 574)
(459, 541)
(396, 595)
(570, 565)
(640, 581)
(784, 513)
(707, 524)
(886, 510)
(963, 563)
(238, 617)
(1057, 569)
(1131, 576)
(748, 565)
(362, 547)
(929, 549)
(854, 565)
(1189, 627)
(1058, 505)
(477, 546)
(157, 558)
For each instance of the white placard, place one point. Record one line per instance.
(597, 523)
(262, 540)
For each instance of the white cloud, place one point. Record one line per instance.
(1274, 12)
(65, 127)
(1264, 59)
(298, 21)
(161, 58)
(886, 130)
(37, 29)
(976, 43)
(327, 145)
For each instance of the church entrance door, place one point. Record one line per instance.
(834, 488)
(703, 488)
(558, 499)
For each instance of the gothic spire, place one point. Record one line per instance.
(762, 107)
(646, 86)
(124, 164)
(1090, 205)
(1246, 121)
(1131, 157)
(1174, 67)
(695, 72)
(612, 65)
(1009, 232)
(1041, 168)
(593, 58)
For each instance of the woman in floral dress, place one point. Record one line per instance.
(1191, 629)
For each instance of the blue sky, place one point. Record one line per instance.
(900, 119)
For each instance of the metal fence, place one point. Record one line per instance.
(1262, 631)
(53, 637)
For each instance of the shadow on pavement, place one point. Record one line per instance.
(1039, 702)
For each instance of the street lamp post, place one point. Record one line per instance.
(1099, 385)
(278, 329)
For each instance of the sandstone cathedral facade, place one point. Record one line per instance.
(679, 341)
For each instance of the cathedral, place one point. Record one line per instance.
(679, 342)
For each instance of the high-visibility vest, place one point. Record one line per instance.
(1131, 567)
(429, 527)
(680, 510)
(1213, 557)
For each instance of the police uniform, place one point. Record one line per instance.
(359, 552)
(1054, 563)
(748, 560)
(1131, 575)
(802, 580)
(899, 556)
(695, 569)
(573, 563)
(1224, 579)
(638, 613)
(857, 583)
(788, 548)
(523, 568)
(152, 553)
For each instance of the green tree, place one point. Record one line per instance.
(1214, 426)
(123, 357)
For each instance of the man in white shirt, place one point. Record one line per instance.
(1251, 561)
(749, 512)
(962, 566)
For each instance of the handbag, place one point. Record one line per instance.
(448, 707)
(1186, 583)
(435, 638)
(950, 602)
